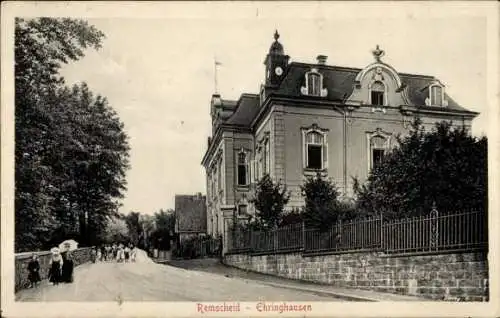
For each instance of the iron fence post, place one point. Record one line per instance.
(434, 227)
(381, 238)
(303, 235)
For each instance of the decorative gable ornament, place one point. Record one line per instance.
(377, 75)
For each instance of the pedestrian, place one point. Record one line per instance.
(115, 251)
(103, 253)
(119, 253)
(133, 253)
(56, 263)
(93, 254)
(109, 253)
(34, 271)
(99, 254)
(67, 268)
(126, 252)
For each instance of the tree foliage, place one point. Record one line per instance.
(323, 206)
(134, 226)
(116, 231)
(164, 228)
(446, 166)
(71, 152)
(269, 201)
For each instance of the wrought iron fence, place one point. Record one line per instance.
(287, 238)
(458, 231)
(347, 236)
(432, 233)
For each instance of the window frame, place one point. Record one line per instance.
(310, 88)
(383, 91)
(370, 136)
(432, 95)
(244, 166)
(373, 149)
(239, 209)
(305, 147)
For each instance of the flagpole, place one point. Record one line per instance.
(215, 75)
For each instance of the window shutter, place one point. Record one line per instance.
(325, 153)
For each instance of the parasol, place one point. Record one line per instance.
(68, 245)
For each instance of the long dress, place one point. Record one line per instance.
(55, 270)
(67, 271)
(34, 269)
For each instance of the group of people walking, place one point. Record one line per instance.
(61, 263)
(121, 253)
(60, 268)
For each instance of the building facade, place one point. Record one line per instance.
(310, 118)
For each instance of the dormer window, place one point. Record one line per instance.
(377, 93)
(314, 84)
(436, 95)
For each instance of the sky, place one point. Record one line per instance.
(157, 69)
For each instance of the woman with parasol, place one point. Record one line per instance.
(67, 268)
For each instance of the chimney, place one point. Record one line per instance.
(321, 59)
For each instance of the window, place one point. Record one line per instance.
(242, 209)
(379, 144)
(242, 169)
(267, 152)
(212, 183)
(377, 157)
(314, 150)
(377, 93)
(313, 84)
(219, 177)
(436, 97)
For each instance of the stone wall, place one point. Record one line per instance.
(453, 276)
(80, 256)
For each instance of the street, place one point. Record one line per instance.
(148, 281)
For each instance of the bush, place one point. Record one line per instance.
(322, 205)
(445, 166)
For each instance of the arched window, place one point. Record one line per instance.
(377, 93)
(242, 169)
(315, 150)
(436, 95)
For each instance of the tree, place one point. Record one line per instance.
(444, 166)
(116, 231)
(134, 226)
(321, 208)
(164, 226)
(71, 152)
(270, 200)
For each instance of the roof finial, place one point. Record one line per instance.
(276, 35)
(378, 53)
